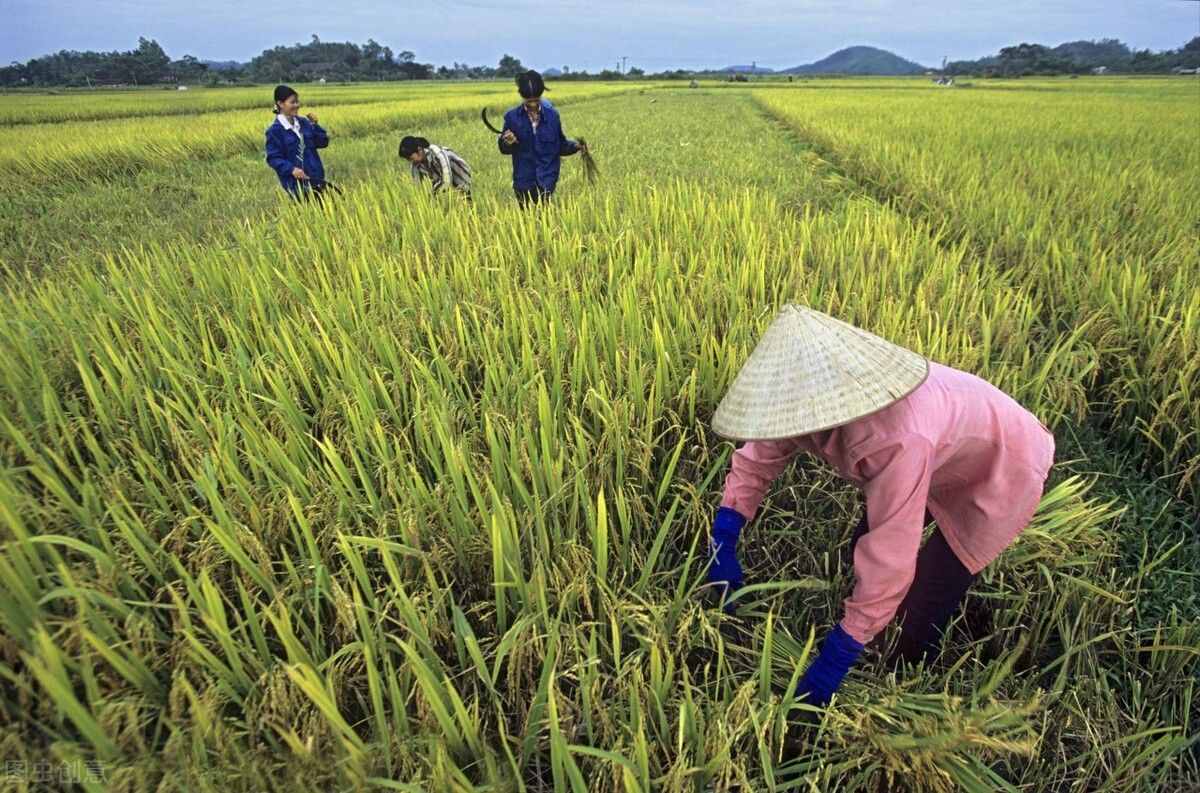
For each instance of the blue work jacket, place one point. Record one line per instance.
(536, 158)
(283, 152)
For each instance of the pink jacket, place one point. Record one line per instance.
(957, 445)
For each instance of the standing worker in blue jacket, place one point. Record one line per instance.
(534, 138)
(292, 144)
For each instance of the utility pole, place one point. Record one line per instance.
(623, 59)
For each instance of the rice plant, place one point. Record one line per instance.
(99, 150)
(415, 496)
(1093, 205)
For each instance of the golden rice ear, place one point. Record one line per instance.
(811, 372)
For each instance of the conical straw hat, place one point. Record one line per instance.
(811, 372)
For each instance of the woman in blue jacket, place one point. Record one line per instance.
(534, 138)
(292, 144)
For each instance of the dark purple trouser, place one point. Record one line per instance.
(532, 195)
(938, 589)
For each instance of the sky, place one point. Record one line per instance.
(593, 34)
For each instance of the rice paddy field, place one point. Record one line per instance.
(406, 494)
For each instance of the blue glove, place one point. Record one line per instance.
(725, 568)
(824, 676)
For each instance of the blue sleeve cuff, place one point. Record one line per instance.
(838, 653)
(843, 643)
(729, 519)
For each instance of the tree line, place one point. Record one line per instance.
(149, 64)
(315, 60)
(1079, 57)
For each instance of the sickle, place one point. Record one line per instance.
(483, 115)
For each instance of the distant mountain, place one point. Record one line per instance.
(552, 72)
(860, 60)
(223, 66)
(747, 69)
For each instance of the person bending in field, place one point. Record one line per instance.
(924, 443)
(439, 165)
(533, 137)
(292, 144)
